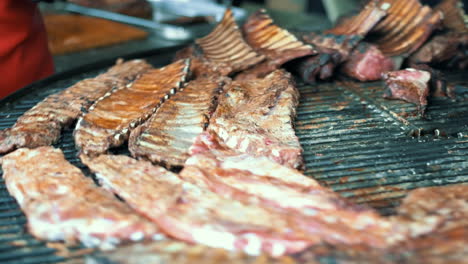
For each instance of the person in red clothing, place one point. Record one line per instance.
(24, 54)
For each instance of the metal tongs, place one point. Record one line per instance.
(166, 31)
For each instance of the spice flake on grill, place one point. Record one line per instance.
(256, 117)
(110, 120)
(61, 204)
(42, 125)
(166, 137)
(222, 52)
(194, 214)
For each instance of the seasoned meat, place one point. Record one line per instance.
(110, 119)
(276, 44)
(256, 117)
(367, 63)
(454, 15)
(166, 137)
(175, 252)
(41, 125)
(194, 214)
(260, 181)
(60, 203)
(409, 85)
(222, 52)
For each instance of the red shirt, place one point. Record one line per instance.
(24, 55)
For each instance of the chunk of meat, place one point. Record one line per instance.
(42, 124)
(409, 85)
(367, 63)
(110, 120)
(61, 204)
(256, 117)
(262, 182)
(222, 52)
(166, 137)
(194, 214)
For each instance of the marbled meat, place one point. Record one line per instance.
(61, 204)
(256, 117)
(166, 137)
(41, 125)
(194, 214)
(110, 120)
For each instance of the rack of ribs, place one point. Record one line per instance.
(194, 214)
(166, 137)
(61, 204)
(256, 117)
(110, 120)
(42, 125)
(222, 52)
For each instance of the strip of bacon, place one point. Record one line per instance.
(61, 204)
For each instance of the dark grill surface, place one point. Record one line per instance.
(369, 149)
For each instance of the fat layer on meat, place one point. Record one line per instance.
(110, 120)
(256, 117)
(42, 124)
(260, 181)
(195, 214)
(166, 137)
(61, 204)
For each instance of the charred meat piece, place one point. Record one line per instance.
(455, 18)
(176, 252)
(406, 27)
(61, 204)
(410, 85)
(166, 137)
(260, 181)
(268, 39)
(41, 125)
(194, 214)
(362, 23)
(110, 119)
(367, 63)
(222, 52)
(256, 117)
(447, 49)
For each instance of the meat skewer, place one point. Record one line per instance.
(41, 125)
(256, 117)
(110, 120)
(166, 137)
(61, 204)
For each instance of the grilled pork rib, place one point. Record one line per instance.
(41, 125)
(166, 137)
(61, 204)
(262, 182)
(194, 214)
(110, 120)
(222, 52)
(256, 117)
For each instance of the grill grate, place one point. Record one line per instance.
(354, 141)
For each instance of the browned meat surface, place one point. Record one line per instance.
(112, 117)
(195, 214)
(174, 252)
(367, 63)
(60, 203)
(444, 50)
(362, 23)
(166, 137)
(41, 125)
(410, 85)
(222, 52)
(406, 27)
(260, 181)
(277, 44)
(454, 15)
(256, 117)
